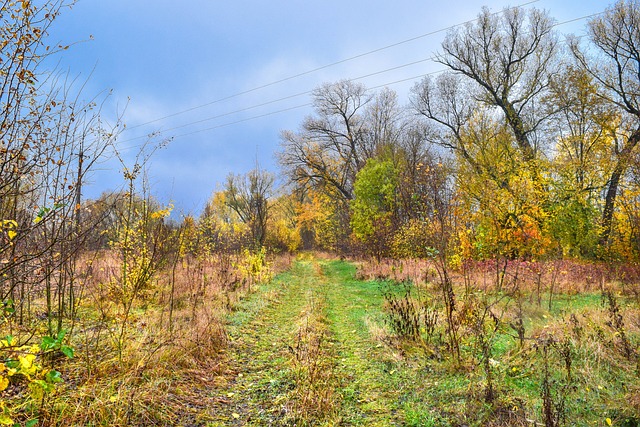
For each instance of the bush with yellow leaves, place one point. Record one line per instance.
(24, 379)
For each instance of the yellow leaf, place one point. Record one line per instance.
(26, 361)
(4, 383)
(235, 415)
(5, 420)
(608, 420)
(12, 234)
(9, 223)
(27, 365)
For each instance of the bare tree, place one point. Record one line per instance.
(462, 124)
(248, 195)
(385, 124)
(349, 126)
(447, 104)
(510, 57)
(330, 148)
(615, 66)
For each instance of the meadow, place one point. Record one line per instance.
(312, 340)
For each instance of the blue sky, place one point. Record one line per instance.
(163, 57)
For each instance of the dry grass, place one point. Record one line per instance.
(155, 363)
(566, 276)
(415, 271)
(314, 399)
(164, 370)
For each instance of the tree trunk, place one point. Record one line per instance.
(612, 191)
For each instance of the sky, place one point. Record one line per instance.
(222, 79)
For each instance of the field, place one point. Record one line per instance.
(333, 342)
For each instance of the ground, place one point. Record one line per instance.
(318, 347)
(307, 349)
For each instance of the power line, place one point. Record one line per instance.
(283, 98)
(229, 113)
(578, 19)
(301, 106)
(304, 73)
(241, 110)
(279, 111)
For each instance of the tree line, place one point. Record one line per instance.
(525, 147)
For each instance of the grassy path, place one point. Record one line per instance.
(376, 383)
(260, 333)
(303, 351)
(311, 349)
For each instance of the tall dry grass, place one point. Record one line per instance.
(175, 333)
(566, 276)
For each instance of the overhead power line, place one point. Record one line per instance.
(241, 110)
(229, 113)
(323, 67)
(271, 113)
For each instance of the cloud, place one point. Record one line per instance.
(163, 57)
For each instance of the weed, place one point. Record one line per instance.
(449, 298)
(518, 323)
(552, 406)
(404, 312)
(576, 327)
(616, 321)
(313, 398)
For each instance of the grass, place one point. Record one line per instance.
(579, 330)
(361, 380)
(315, 347)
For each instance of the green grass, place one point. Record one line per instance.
(380, 380)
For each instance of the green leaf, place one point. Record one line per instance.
(41, 215)
(54, 377)
(31, 423)
(41, 383)
(67, 351)
(48, 343)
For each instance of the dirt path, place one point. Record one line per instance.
(304, 351)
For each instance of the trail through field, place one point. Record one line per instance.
(305, 350)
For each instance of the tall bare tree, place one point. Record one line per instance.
(615, 65)
(510, 58)
(248, 195)
(349, 126)
(448, 106)
(331, 147)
